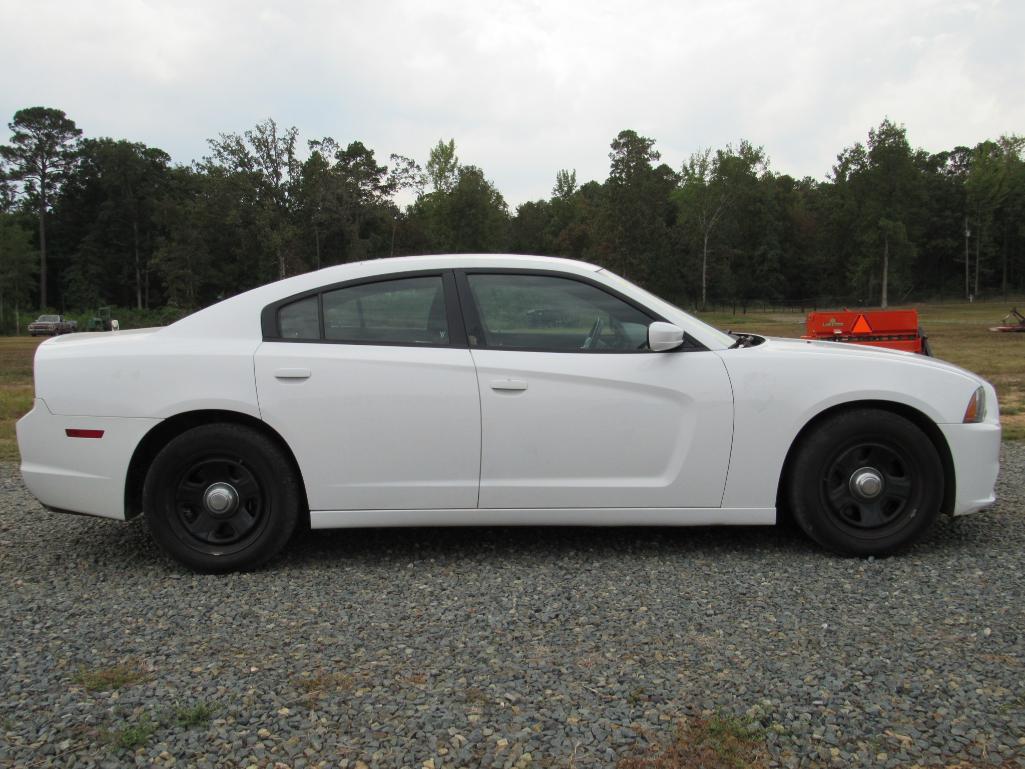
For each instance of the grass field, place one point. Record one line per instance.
(958, 333)
(15, 388)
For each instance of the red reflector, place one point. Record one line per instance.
(74, 432)
(861, 326)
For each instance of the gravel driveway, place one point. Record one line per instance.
(510, 647)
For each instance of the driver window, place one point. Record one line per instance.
(541, 312)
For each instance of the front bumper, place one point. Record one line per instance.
(78, 475)
(975, 449)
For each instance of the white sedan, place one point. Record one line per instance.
(507, 390)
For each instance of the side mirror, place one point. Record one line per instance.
(664, 336)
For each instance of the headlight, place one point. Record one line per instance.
(976, 410)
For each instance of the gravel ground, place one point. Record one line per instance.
(510, 647)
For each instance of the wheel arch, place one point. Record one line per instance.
(171, 428)
(913, 415)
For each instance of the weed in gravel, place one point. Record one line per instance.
(475, 696)
(327, 682)
(197, 715)
(722, 741)
(133, 736)
(1018, 703)
(414, 679)
(637, 695)
(110, 678)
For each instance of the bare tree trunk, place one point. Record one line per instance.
(704, 271)
(978, 254)
(42, 248)
(967, 262)
(145, 273)
(138, 265)
(886, 271)
(1003, 278)
(316, 236)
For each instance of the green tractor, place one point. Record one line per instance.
(103, 322)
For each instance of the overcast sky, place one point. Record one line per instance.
(525, 88)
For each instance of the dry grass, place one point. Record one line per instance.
(718, 742)
(958, 332)
(111, 678)
(327, 682)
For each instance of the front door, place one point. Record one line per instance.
(578, 413)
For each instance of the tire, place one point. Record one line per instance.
(221, 497)
(866, 482)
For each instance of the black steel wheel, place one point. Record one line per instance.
(221, 497)
(219, 503)
(865, 482)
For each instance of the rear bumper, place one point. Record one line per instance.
(975, 449)
(78, 475)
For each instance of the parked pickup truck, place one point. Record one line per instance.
(51, 325)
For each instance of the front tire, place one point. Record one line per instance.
(221, 497)
(866, 482)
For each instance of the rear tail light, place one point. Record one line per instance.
(976, 410)
(75, 432)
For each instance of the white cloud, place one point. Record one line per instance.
(525, 87)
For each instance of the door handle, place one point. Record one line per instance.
(292, 373)
(508, 384)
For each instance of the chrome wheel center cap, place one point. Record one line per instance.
(220, 499)
(866, 483)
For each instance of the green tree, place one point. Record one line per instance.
(17, 269)
(721, 204)
(263, 161)
(40, 156)
(703, 200)
(993, 168)
(565, 184)
(190, 219)
(472, 217)
(637, 213)
(892, 185)
(443, 166)
(345, 198)
(406, 174)
(531, 228)
(131, 177)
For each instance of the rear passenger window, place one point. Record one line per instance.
(300, 319)
(403, 311)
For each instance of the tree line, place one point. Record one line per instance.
(102, 221)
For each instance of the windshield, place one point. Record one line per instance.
(48, 318)
(666, 308)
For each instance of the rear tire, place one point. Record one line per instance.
(866, 482)
(221, 497)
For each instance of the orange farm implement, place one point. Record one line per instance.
(896, 329)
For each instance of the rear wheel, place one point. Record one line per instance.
(866, 482)
(221, 497)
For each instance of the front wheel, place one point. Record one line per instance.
(221, 497)
(866, 482)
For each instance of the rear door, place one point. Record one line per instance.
(372, 385)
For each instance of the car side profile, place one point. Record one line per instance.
(491, 389)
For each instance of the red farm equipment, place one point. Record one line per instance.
(896, 329)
